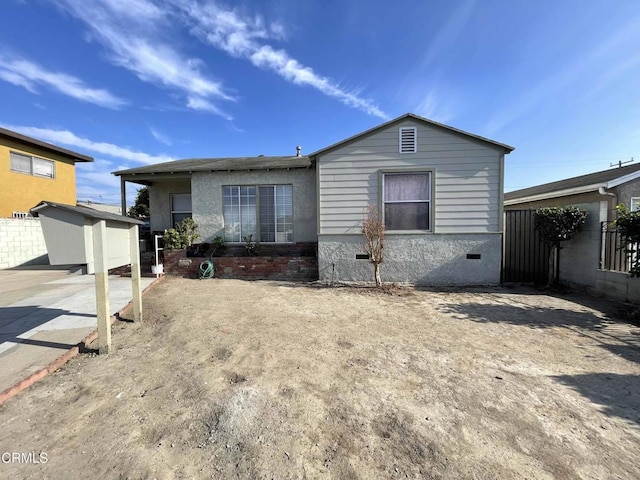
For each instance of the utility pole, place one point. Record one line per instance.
(620, 163)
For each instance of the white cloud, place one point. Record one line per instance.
(132, 33)
(160, 137)
(243, 37)
(24, 73)
(65, 137)
(432, 107)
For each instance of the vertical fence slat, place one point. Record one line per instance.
(616, 257)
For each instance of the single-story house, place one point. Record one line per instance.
(592, 260)
(438, 188)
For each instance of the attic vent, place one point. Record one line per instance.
(408, 140)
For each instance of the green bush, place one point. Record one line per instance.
(182, 236)
(628, 226)
(558, 224)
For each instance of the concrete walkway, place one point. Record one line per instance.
(46, 311)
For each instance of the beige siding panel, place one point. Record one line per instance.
(467, 178)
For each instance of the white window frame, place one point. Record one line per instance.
(401, 131)
(190, 212)
(258, 219)
(32, 162)
(634, 204)
(429, 201)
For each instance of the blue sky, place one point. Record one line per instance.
(133, 82)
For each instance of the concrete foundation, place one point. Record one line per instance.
(438, 259)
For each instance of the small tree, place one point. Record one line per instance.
(628, 225)
(556, 225)
(141, 207)
(373, 232)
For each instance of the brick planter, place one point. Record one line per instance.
(279, 267)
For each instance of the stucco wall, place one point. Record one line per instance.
(21, 243)
(419, 259)
(628, 190)
(21, 192)
(580, 257)
(160, 201)
(207, 199)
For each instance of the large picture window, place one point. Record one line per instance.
(407, 201)
(265, 212)
(180, 207)
(38, 167)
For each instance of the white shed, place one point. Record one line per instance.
(68, 234)
(99, 240)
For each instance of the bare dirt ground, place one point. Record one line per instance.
(233, 379)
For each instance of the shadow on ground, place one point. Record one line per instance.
(617, 394)
(14, 321)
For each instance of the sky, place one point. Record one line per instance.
(136, 82)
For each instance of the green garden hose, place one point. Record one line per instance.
(207, 269)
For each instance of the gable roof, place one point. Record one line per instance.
(85, 211)
(221, 164)
(23, 139)
(571, 186)
(506, 147)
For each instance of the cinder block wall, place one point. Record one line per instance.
(21, 243)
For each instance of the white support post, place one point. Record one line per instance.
(99, 233)
(134, 247)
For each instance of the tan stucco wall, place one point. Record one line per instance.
(21, 192)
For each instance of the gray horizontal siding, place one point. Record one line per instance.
(467, 179)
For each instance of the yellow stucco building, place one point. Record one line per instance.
(32, 171)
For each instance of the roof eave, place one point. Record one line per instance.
(558, 193)
(624, 179)
(70, 154)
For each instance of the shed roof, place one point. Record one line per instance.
(590, 182)
(413, 116)
(84, 211)
(18, 137)
(221, 164)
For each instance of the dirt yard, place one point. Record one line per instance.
(261, 380)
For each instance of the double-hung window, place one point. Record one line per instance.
(180, 207)
(38, 167)
(407, 201)
(264, 212)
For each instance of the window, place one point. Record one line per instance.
(38, 167)
(407, 140)
(407, 201)
(180, 207)
(635, 204)
(265, 212)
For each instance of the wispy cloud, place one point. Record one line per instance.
(132, 33)
(29, 75)
(65, 137)
(245, 36)
(600, 65)
(432, 107)
(160, 137)
(449, 33)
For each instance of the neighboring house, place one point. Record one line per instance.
(438, 188)
(102, 207)
(32, 171)
(592, 260)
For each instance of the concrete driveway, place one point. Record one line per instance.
(44, 311)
